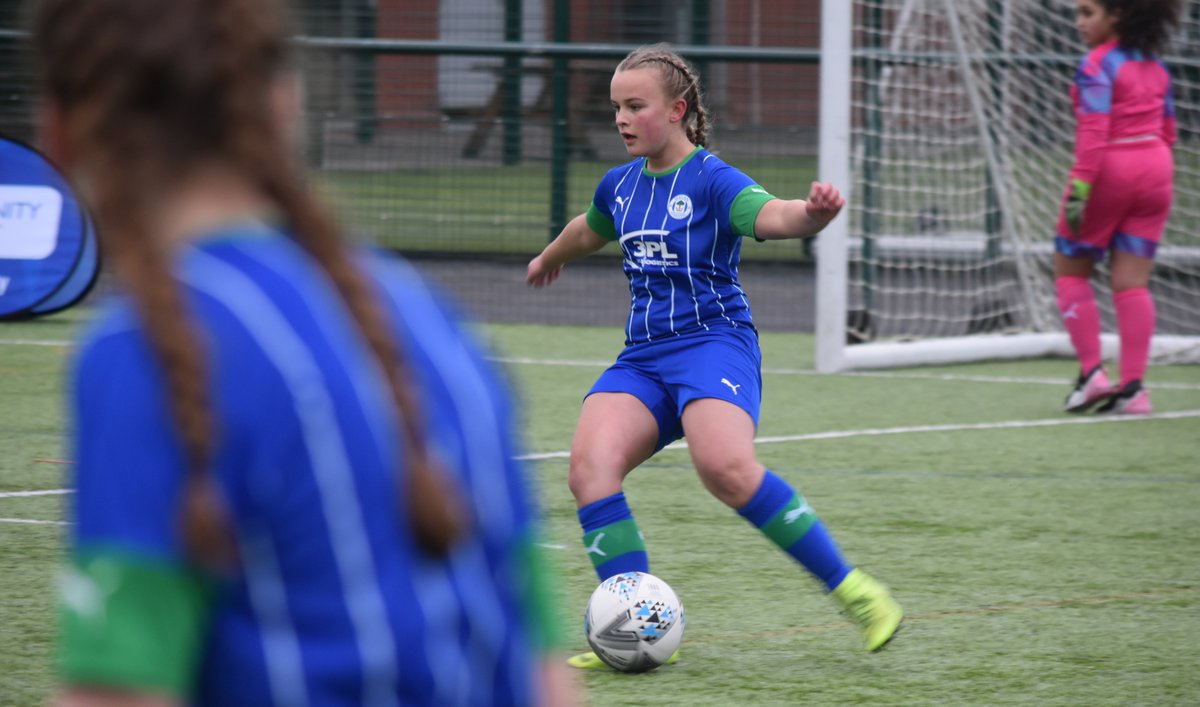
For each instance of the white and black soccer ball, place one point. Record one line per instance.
(634, 622)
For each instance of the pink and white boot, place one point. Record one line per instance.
(1090, 389)
(1131, 399)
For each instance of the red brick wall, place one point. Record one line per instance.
(753, 93)
(773, 94)
(407, 86)
(747, 93)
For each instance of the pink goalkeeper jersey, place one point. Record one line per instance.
(1121, 97)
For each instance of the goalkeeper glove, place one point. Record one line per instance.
(1076, 202)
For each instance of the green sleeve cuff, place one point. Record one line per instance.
(131, 622)
(600, 223)
(541, 601)
(744, 210)
(1081, 188)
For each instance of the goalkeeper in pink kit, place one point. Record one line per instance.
(1118, 194)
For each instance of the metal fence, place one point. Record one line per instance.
(465, 133)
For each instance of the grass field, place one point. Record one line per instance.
(1043, 559)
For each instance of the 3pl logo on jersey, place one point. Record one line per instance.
(649, 248)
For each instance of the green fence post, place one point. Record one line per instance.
(366, 118)
(560, 147)
(992, 204)
(511, 78)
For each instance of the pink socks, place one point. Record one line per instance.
(1081, 317)
(1135, 324)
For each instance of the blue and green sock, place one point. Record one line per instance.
(611, 537)
(786, 518)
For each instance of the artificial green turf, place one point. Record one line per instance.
(1048, 565)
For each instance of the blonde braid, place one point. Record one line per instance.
(679, 80)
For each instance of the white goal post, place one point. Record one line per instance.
(948, 125)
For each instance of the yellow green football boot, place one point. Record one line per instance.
(591, 661)
(871, 606)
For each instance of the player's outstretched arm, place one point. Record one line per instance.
(576, 240)
(799, 218)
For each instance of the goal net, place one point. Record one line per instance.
(960, 136)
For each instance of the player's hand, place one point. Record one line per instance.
(539, 275)
(1076, 203)
(823, 203)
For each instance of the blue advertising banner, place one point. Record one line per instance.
(49, 258)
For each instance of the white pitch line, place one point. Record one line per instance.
(1064, 382)
(525, 361)
(878, 432)
(578, 363)
(34, 342)
(844, 434)
(955, 377)
(47, 492)
(1006, 425)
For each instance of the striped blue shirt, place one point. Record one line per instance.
(680, 233)
(333, 604)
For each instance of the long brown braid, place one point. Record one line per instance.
(679, 80)
(151, 90)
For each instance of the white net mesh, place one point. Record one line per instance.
(963, 133)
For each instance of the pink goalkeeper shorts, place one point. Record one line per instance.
(1129, 203)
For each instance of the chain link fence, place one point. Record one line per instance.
(465, 133)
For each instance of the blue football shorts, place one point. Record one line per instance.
(666, 375)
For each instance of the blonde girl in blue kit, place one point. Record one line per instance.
(691, 365)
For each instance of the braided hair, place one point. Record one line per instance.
(151, 91)
(679, 80)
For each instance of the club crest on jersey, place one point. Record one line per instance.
(680, 207)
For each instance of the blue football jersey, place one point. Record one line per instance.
(333, 604)
(680, 233)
